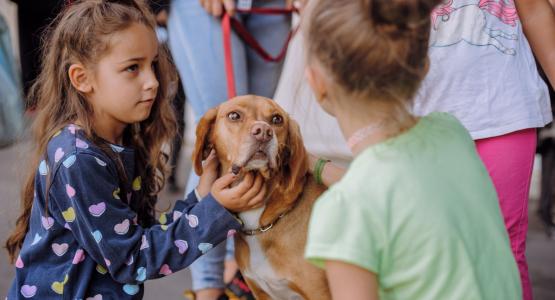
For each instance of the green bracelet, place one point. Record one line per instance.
(318, 168)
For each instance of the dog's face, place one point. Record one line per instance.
(253, 133)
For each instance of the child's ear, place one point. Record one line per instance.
(316, 81)
(80, 78)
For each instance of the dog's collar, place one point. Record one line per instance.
(267, 227)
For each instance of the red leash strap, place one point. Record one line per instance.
(228, 23)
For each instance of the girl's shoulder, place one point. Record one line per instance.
(67, 145)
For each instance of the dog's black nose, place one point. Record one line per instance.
(262, 132)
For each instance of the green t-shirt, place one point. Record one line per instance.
(420, 211)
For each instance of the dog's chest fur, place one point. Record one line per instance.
(260, 270)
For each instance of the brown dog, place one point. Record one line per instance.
(253, 134)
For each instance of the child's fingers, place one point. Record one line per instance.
(211, 161)
(243, 186)
(217, 8)
(258, 200)
(224, 181)
(229, 6)
(255, 188)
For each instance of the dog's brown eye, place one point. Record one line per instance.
(234, 116)
(277, 119)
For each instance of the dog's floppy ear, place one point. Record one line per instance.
(296, 163)
(203, 144)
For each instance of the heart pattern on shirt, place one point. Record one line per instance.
(177, 215)
(70, 191)
(97, 209)
(58, 154)
(131, 289)
(144, 243)
(19, 263)
(28, 291)
(60, 249)
(36, 239)
(193, 220)
(165, 270)
(43, 168)
(122, 228)
(81, 144)
(205, 247)
(181, 245)
(68, 162)
(79, 256)
(47, 223)
(96, 297)
(100, 269)
(100, 162)
(58, 287)
(69, 215)
(141, 274)
(97, 236)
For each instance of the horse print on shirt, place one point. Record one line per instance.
(468, 22)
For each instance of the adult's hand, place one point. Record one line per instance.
(217, 7)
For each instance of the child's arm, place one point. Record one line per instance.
(330, 173)
(348, 281)
(538, 21)
(82, 196)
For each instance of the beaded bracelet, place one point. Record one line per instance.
(318, 168)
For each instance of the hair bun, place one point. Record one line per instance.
(399, 14)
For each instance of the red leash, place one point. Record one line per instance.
(229, 23)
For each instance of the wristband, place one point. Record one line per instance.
(318, 168)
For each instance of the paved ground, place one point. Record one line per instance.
(541, 251)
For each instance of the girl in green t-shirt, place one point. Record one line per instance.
(416, 215)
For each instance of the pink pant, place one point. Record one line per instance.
(509, 160)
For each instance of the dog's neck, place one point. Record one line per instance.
(278, 203)
(278, 199)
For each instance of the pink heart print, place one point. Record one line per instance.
(122, 227)
(70, 191)
(60, 249)
(72, 128)
(231, 232)
(47, 223)
(79, 256)
(19, 263)
(176, 215)
(97, 209)
(165, 270)
(96, 297)
(81, 144)
(58, 154)
(193, 220)
(144, 243)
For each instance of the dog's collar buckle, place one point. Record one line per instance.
(263, 229)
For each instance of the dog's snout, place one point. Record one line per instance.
(262, 132)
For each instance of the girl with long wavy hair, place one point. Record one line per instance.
(87, 225)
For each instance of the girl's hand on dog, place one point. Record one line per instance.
(209, 174)
(246, 195)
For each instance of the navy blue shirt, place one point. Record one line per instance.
(87, 242)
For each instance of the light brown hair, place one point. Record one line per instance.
(373, 49)
(80, 34)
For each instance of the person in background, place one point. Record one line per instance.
(482, 71)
